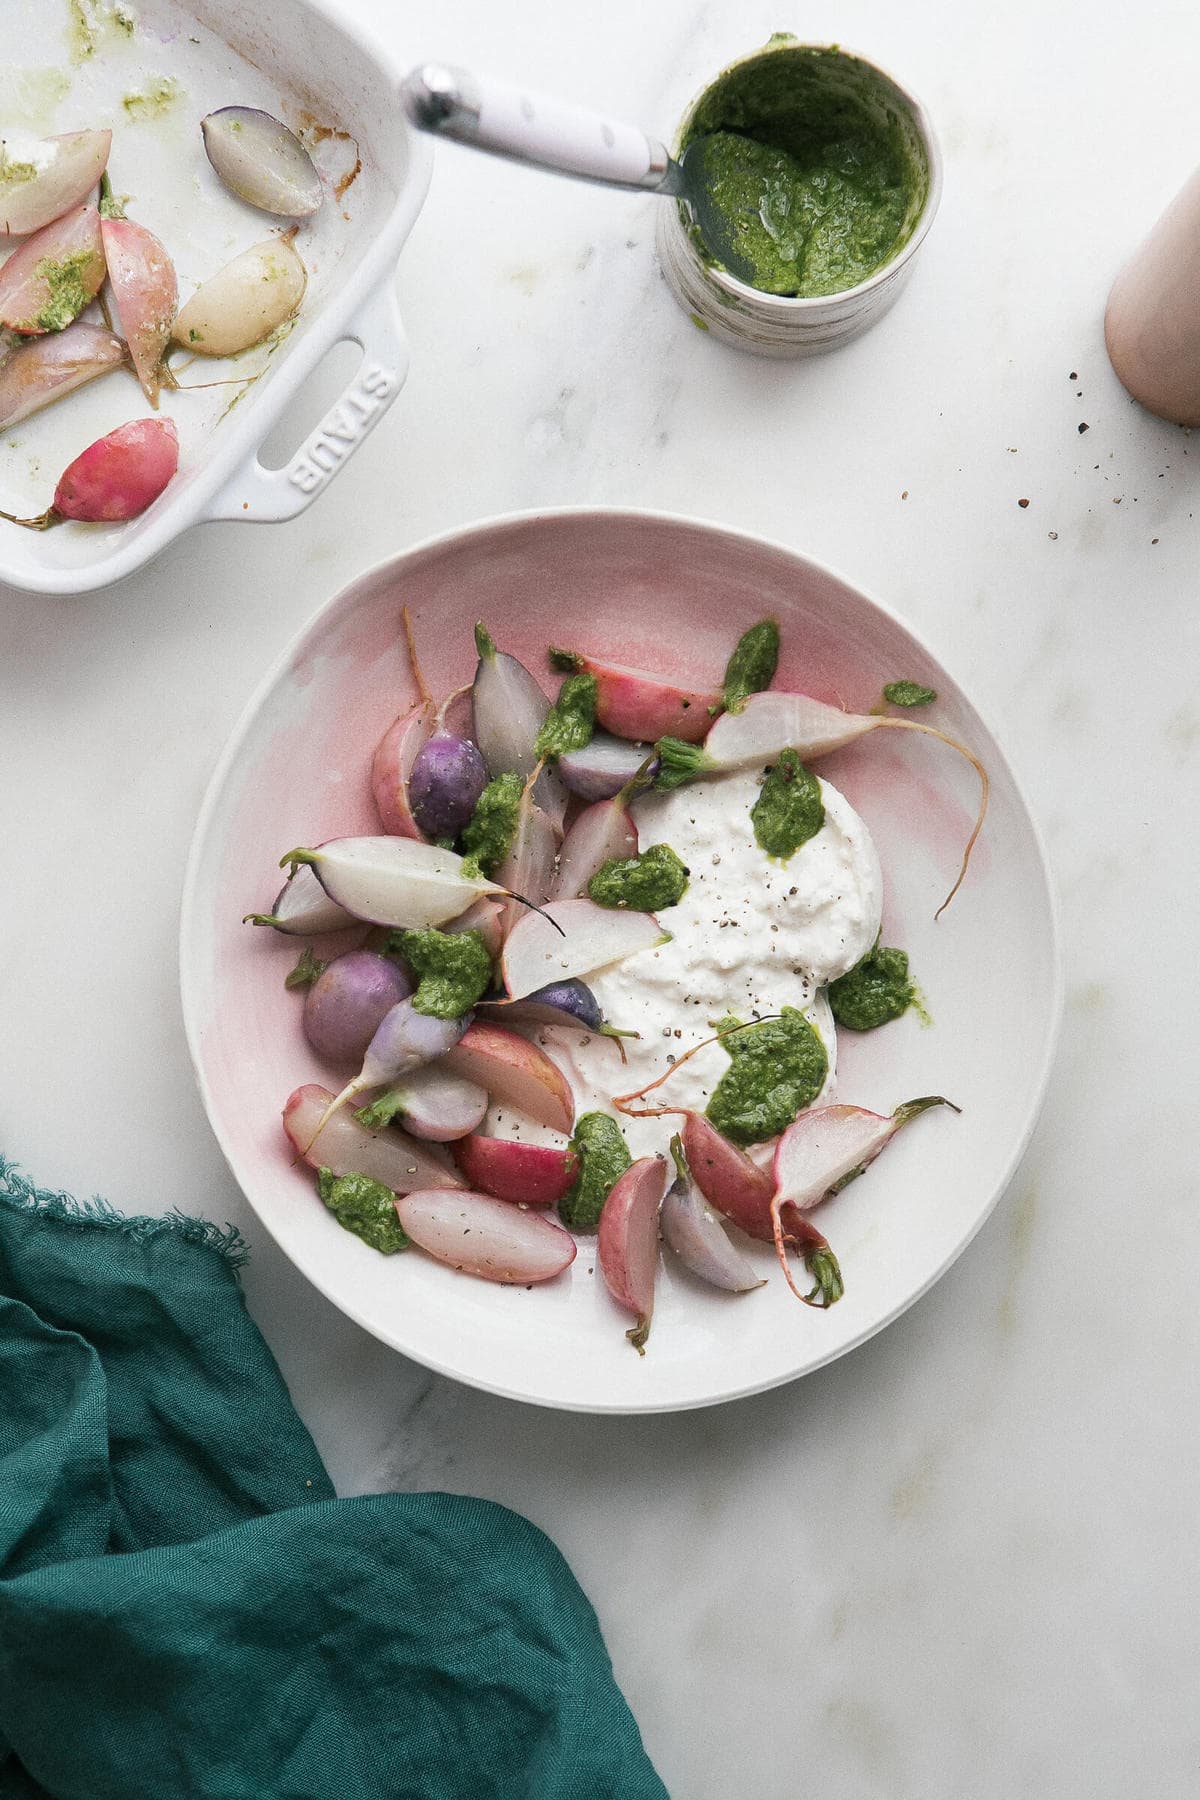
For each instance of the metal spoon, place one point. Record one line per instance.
(553, 134)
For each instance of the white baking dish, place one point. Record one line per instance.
(294, 58)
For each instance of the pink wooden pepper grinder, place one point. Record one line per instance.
(1152, 321)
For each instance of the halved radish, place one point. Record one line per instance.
(523, 1174)
(391, 767)
(485, 916)
(303, 909)
(393, 880)
(484, 1236)
(514, 1071)
(633, 704)
(588, 937)
(697, 1237)
(602, 833)
(47, 282)
(348, 1148)
(528, 868)
(46, 368)
(431, 1103)
(828, 1146)
(627, 1241)
(42, 178)
(147, 295)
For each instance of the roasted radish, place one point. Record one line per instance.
(487, 1237)
(627, 1242)
(348, 1148)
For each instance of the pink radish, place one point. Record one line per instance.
(115, 478)
(509, 709)
(633, 704)
(742, 1191)
(771, 722)
(42, 178)
(430, 1103)
(515, 1072)
(392, 765)
(143, 282)
(404, 1040)
(303, 909)
(347, 1148)
(627, 1241)
(51, 278)
(487, 918)
(828, 1146)
(523, 1174)
(600, 834)
(46, 368)
(487, 1237)
(695, 1234)
(573, 938)
(528, 868)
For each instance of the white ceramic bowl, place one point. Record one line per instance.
(300, 61)
(673, 594)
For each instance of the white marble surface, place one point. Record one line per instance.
(962, 1561)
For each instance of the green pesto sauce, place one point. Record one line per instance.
(603, 1157)
(453, 967)
(14, 174)
(874, 991)
(815, 173)
(68, 288)
(776, 1068)
(909, 693)
(643, 883)
(571, 721)
(752, 666)
(365, 1207)
(152, 101)
(789, 809)
(486, 840)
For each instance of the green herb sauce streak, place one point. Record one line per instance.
(752, 666)
(365, 1207)
(493, 825)
(875, 991)
(789, 809)
(453, 967)
(571, 721)
(909, 693)
(776, 1068)
(603, 1157)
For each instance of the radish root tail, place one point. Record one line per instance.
(640, 1093)
(984, 788)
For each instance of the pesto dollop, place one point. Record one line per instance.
(789, 809)
(69, 287)
(603, 1157)
(752, 666)
(909, 693)
(365, 1207)
(571, 721)
(493, 824)
(644, 883)
(453, 967)
(874, 991)
(776, 1067)
(813, 176)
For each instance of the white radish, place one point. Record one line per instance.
(828, 1146)
(431, 1102)
(771, 722)
(515, 1072)
(627, 1241)
(303, 909)
(698, 1238)
(573, 938)
(244, 302)
(486, 1237)
(348, 1148)
(393, 881)
(602, 833)
(42, 178)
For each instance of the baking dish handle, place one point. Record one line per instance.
(273, 495)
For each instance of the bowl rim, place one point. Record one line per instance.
(197, 854)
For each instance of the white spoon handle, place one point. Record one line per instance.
(532, 128)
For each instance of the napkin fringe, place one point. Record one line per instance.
(19, 1193)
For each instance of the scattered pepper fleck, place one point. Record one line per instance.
(1082, 427)
(1022, 503)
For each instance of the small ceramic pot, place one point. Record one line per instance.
(774, 324)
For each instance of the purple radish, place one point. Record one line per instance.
(573, 938)
(404, 1040)
(826, 1147)
(627, 1242)
(43, 369)
(430, 1103)
(448, 775)
(558, 1003)
(303, 909)
(348, 1148)
(509, 709)
(602, 833)
(602, 768)
(486, 1237)
(697, 1237)
(771, 722)
(347, 1003)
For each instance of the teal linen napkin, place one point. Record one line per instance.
(185, 1608)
